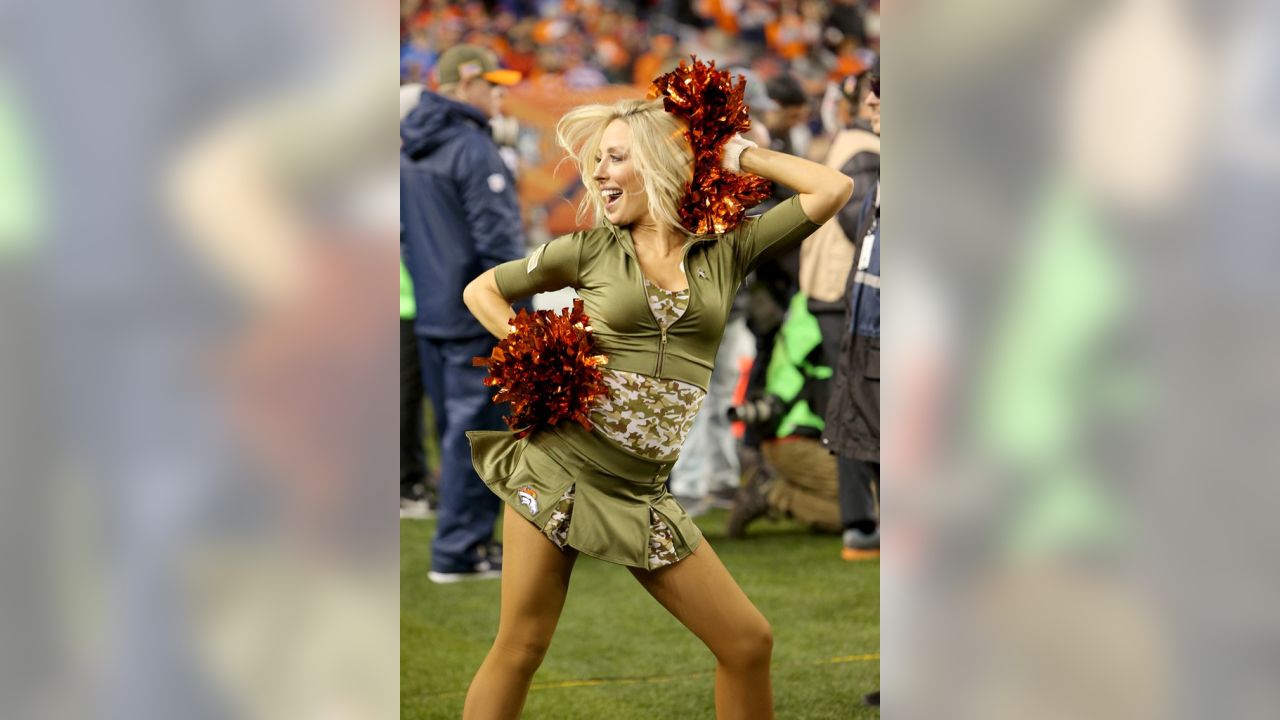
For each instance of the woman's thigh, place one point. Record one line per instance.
(535, 580)
(703, 596)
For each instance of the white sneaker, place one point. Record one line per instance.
(861, 541)
(484, 571)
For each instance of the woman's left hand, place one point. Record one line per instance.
(731, 156)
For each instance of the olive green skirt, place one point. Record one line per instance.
(616, 494)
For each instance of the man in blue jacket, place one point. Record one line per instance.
(460, 217)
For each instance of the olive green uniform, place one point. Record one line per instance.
(619, 494)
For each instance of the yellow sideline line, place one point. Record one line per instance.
(597, 682)
(849, 659)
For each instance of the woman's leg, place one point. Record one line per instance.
(702, 595)
(535, 580)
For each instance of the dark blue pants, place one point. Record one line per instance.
(468, 508)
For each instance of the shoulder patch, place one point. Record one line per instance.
(497, 182)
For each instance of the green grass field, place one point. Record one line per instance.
(618, 655)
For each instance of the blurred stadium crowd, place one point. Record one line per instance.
(585, 44)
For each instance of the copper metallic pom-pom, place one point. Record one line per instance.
(712, 106)
(547, 369)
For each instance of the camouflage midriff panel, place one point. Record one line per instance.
(649, 416)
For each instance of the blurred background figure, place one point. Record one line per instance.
(759, 105)
(857, 144)
(414, 475)
(796, 477)
(460, 217)
(853, 417)
(417, 483)
(770, 288)
(788, 124)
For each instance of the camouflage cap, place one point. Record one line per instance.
(462, 62)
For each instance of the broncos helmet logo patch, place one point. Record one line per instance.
(529, 498)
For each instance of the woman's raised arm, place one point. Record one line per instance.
(822, 190)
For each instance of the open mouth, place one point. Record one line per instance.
(612, 196)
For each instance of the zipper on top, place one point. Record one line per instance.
(644, 294)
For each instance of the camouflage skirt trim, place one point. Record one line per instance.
(662, 546)
(584, 492)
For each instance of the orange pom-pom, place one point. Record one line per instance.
(547, 369)
(712, 106)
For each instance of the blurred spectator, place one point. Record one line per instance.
(460, 217)
(789, 123)
(752, 21)
(795, 476)
(416, 58)
(853, 418)
(414, 477)
(647, 66)
(863, 138)
(522, 56)
(414, 503)
(827, 255)
(686, 12)
(581, 75)
(759, 105)
(789, 34)
(611, 50)
(845, 24)
(775, 280)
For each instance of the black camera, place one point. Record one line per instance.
(759, 412)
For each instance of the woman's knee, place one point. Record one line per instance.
(523, 654)
(751, 645)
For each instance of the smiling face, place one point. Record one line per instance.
(618, 179)
(634, 159)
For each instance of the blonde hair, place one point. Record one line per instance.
(658, 144)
